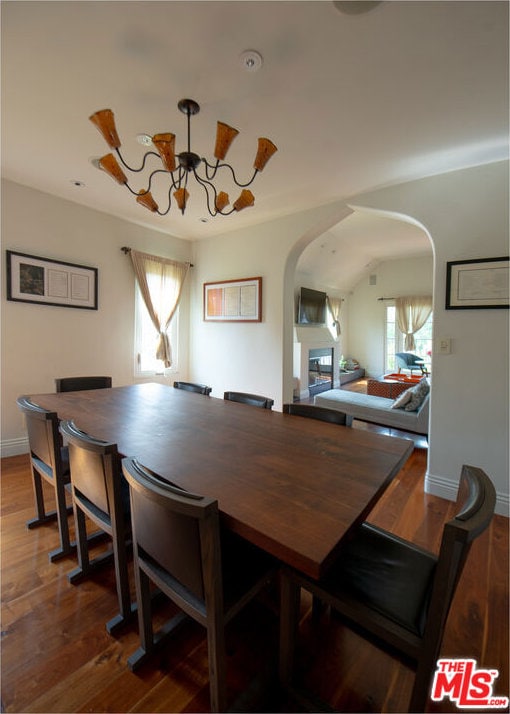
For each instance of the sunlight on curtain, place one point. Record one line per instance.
(161, 281)
(335, 305)
(412, 313)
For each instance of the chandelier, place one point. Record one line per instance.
(179, 167)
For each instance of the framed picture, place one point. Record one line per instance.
(33, 279)
(479, 283)
(233, 300)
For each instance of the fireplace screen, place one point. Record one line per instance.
(320, 370)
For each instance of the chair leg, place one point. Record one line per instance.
(63, 526)
(76, 575)
(41, 516)
(146, 632)
(126, 608)
(289, 613)
(217, 665)
(422, 681)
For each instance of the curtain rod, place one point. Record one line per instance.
(127, 250)
(388, 298)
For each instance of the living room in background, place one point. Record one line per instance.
(394, 340)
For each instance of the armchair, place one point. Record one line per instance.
(406, 360)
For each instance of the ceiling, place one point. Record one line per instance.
(354, 101)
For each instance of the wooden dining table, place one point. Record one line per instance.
(292, 486)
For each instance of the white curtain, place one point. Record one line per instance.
(412, 313)
(335, 305)
(161, 281)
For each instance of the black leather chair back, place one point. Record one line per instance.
(192, 387)
(254, 400)
(77, 384)
(321, 413)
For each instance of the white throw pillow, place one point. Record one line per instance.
(418, 394)
(402, 399)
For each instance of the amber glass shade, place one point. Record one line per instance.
(265, 151)
(144, 198)
(165, 144)
(225, 135)
(181, 196)
(105, 122)
(109, 164)
(222, 200)
(245, 200)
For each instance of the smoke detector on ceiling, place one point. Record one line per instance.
(251, 60)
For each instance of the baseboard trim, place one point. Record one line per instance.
(14, 447)
(446, 488)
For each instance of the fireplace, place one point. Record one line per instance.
(320, 370)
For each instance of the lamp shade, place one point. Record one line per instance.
(105, 122)
(222, 200)
(265, 151)
(245, 200)
(145, 198)
(165, 144)
(109, 164)
(225, 135)
(181, 196)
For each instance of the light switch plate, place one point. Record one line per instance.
(444, 345)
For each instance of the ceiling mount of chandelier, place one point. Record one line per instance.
(179, 167)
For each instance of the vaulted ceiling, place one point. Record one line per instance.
(354, 101)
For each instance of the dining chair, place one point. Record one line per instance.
(100, 492)
(49, 460)
(254, 400)
(398, 594)
(209, 573)
(192, 387)
(333, 416)
(76, 384)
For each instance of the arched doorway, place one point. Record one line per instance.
(345, 255)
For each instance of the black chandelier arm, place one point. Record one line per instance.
(206, 185)
(163, 213)
(211, 169)
(157, 171)
(145, 157)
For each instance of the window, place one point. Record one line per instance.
(395, 339)
(146, 336)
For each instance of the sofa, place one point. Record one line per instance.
(380, 410)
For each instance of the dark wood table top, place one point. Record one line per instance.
(291, 485)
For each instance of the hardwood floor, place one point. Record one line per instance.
(58, 657)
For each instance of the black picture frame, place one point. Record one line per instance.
(478, 284)
(44, 281)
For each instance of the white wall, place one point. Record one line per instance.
(254, 357)
(410, 276)
(42, 342)
(465, 213)
(466, 216)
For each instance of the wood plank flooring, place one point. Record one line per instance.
(58, 657)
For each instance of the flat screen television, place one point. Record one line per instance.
(311, 307)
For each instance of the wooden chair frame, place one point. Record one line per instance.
(209, 604)
(97, 465)
(477, 496)
(46, 463)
